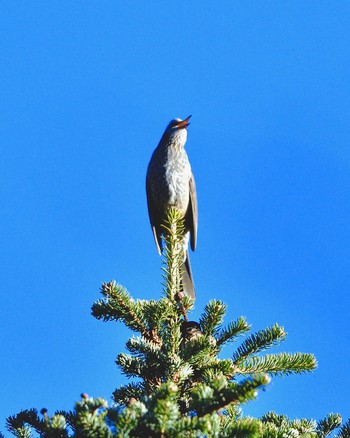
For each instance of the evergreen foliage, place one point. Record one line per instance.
(182, 387)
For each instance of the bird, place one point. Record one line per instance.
(170, 183)
(191, 330)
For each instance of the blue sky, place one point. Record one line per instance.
(87, 89)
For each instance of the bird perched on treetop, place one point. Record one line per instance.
(170, 183)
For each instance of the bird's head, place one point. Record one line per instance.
(176, 124)
(177, 130)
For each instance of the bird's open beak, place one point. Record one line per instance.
(184, 123)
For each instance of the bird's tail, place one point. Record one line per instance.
(187, 279)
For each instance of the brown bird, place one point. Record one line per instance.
(170, 183)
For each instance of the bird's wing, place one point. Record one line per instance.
(193, 213)
(153, 217)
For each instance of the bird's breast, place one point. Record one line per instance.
(169, 173)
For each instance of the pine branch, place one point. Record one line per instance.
(192, 350)
(127, 422)
(224, 367)
(171, 333)
(19, 424)
(201, 355)
(207, 426)
(132, 391)
(90, 418)
(154, 312)
(344, 431)
(145, 350)
(183, 374)
(55, 426)
(212, 317)
(243, 428)
(131, 366)
(173, 254)
(118, 305)
(151, 374)
(303, 427)
(163, 410)
(69, 416)
(156, 362)
(166, 413)
(280, 426)
(278, 420)
(278, 364)
(326, 426)
(206, 399)
(233, 329)
(259, 341)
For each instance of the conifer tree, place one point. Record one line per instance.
(181, 387)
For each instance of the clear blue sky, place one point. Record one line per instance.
(87, 89)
